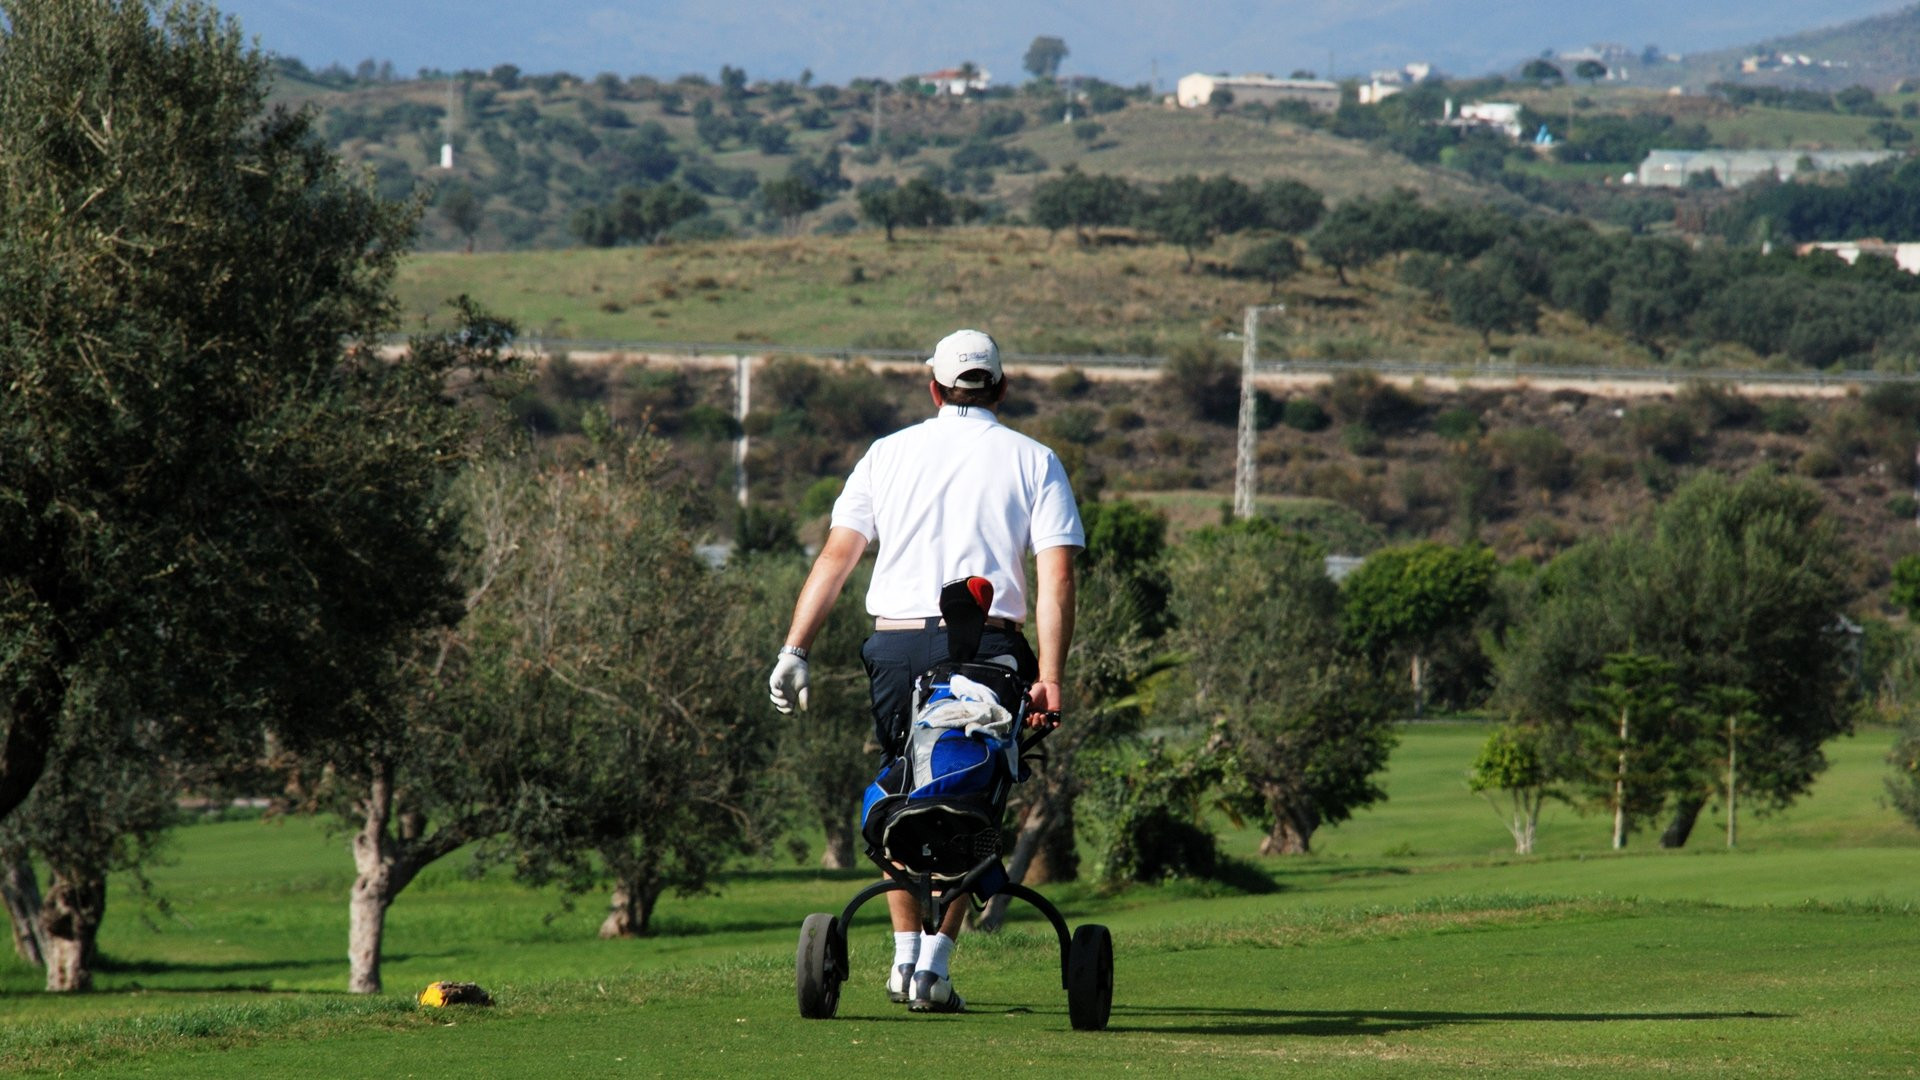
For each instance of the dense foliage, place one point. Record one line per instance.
(210, 485)
(1729, 586)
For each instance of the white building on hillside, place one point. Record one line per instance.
(957, 82)
(1501, 116)
(1196, 91)
(1377, 91)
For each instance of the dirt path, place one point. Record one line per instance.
(1757, 386)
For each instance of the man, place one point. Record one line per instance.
(953, 496)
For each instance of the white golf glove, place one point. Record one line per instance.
(788, 683)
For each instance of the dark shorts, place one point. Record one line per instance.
(895, 657)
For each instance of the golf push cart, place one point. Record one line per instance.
(932, 819)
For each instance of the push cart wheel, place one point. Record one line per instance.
(819, 967)
(1090, 978)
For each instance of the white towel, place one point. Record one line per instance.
(973, 708)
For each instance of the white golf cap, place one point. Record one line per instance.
(963, 353)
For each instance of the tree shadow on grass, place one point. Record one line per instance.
(108, 966)
(1324, 1022)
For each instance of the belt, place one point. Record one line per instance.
(994, 622)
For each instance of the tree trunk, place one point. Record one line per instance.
(1733, 773)
(1055, 858)
(1285, 839)
(630, 911)
(1292, 832)
(1043, 850)
(367, 926)
(1684, 815)
(384, 866)
(1419, 687)
(20, 889)
(70, 920)
(838, 854)
(1620, 789)
(1293, 825)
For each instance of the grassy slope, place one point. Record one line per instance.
(1367, 960)
(1153, 143)
(1035, 293)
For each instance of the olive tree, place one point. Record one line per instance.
(103, 806)
(823, 758)
(1405, 599)
(1305, 719)
(211, 485)
(1738, 586)
(637, 659)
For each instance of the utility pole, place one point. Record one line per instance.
(1243, 485)
(743, 387)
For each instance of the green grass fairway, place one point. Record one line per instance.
(1412, 944)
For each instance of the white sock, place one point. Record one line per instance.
(906, 947)
(935, 951)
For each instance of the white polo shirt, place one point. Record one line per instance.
(956, 495)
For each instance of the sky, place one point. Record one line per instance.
(1124, 41)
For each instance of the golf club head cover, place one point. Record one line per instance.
(964, 604)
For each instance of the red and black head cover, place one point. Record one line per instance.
(964, 604)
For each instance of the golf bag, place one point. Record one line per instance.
(937, 807)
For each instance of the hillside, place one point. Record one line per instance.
(1356, 462)
(1039, 294)
(1877, 52)
(538, 149)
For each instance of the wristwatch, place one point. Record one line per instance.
(793, 650)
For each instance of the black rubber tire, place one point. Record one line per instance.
(817, 964)
(1090, 978)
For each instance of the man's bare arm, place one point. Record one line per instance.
(1053, 623)
(836, 560)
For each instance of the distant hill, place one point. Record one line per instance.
(534, 151)
(1876, 52)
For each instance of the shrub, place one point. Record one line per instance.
(1894, 401)
(1661, 430)
(1716, 405)
(1359, 397)
(1362, 440)
(1140, 815)
(708, 422)
(765, 529)
(1784, 416)
(819, 498)
(1458, 425)
(1537, 456)
(1266, 410)
(1818, 462)
(1125, 418)
(1903, 787)
(1304, 414)
(647, 390)
(1904, 506)
(1078, 424)
(1206, 385)
(1071, 382)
